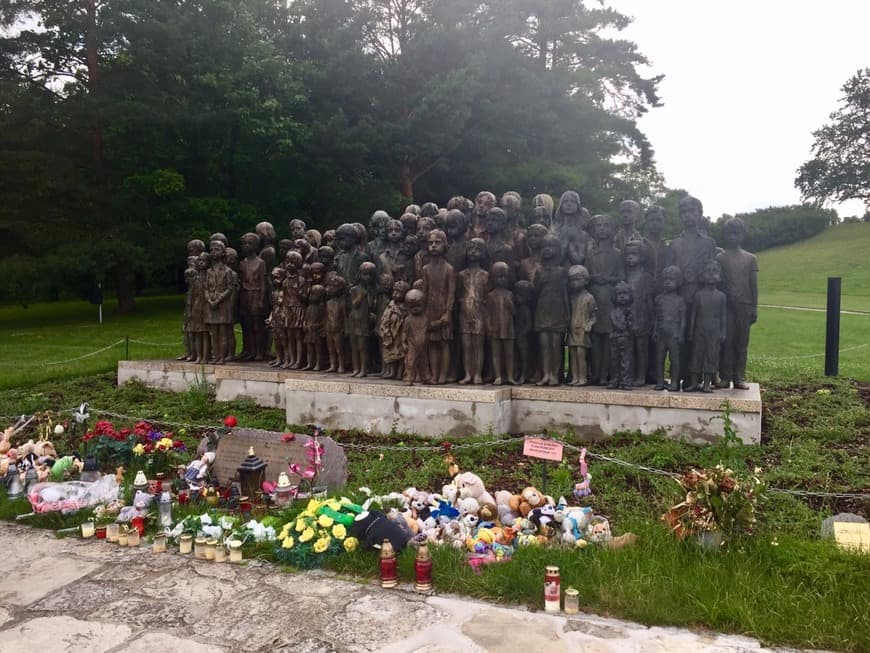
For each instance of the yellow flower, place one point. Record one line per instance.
(321, 545)
(326, 521)
(335, 505)
(139, 449)
(288, 543)
(300, 524)
(163, 444)
(313, 506)
(339, 532)
(307, 535)
(350, 544)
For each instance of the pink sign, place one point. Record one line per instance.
(542, 448)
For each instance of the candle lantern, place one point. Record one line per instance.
(552, 589)
(388, 565)
(13, 480)
(112, 532)
(423, 569)
(235, 550)
(252, 473)
(284, 490)
(210, 548)
(199, 547)
(90, 470)
(572, 601)
(123, 534)
(88, 529)
(164, 508)
(140, 483)
(159, 543)
(138, 524)
(133, 537)
(185, 543)
(220, 552)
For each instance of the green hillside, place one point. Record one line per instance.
(796, 275)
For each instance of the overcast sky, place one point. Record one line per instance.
(746, 83)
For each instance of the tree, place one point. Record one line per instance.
(840, 167)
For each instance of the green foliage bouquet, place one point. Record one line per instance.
(717, 501)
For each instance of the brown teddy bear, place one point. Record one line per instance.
(529, 499)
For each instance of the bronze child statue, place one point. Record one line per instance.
(551, 309)
(439, 288)
(315, 328)
(524, 297)
(472, 284)
(357, 324)
(390, 332)
(218, 292)
(740, 283)
(500, 323)
(642, 309)
(276, 321)
(583, 315)
(336, 315)
(707, 329)
(621, 338)
(415, 339)
(295, 293)
(669, 328)
(253, 299)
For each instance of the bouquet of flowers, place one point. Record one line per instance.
(319, 531)
(161, 451)
(717, 500)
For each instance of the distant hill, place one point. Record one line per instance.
(797, 274)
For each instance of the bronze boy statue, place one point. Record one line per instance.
(621, 338)
(472, 284)
(669, 328)
(390, 331)
(500, 323)
(415, 336)
(740, 283)
(551, 310)
(706, 329)
(583, 315)
(439, 288)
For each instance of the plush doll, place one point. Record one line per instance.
(197, 471)
(583, 488)
(481, 541)
(573, 521)
(373, 527)
(525, 502)
(405, 519)
(45, 449)
(450, 493)
(64, 467)
(506, 516)
(420, 505)
(6, 440)
(430, 531)
(469, 514)
(444, 512)
(542, 517)
(11, 457)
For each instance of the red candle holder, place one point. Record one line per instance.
(388, 565)
(423, 569)
(100, 532)
(139, 524)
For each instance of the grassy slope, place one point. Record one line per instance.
(796, 275)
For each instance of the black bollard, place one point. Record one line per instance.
(832, 333)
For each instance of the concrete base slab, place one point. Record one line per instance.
(381, 406)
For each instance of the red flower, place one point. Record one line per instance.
(230, 421)
(288, 437)
(142, 429)
(124, 433)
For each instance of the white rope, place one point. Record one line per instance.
(93, 353)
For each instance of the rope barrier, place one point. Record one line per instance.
(805, 356)
(155, 344)
(93, 353)
(475, 445)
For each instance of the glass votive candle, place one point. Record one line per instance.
(199, 548)
(220, 552)
(112, 532)
(133, 538)
(185, 543)
(88, 529)
(572, 601)
(210, 547)
(123, 534)
(235, 550)
(159, 543)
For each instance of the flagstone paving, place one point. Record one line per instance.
(71, 596)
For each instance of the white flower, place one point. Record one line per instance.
(58, 430)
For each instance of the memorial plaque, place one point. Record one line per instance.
(276, 453)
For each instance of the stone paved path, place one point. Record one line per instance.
(76, 596)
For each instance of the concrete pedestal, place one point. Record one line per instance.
(379, 406)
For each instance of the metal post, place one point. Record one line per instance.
(127, 348)
(832, 334)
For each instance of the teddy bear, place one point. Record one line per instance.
(6, 440)
(506, 516)
(10, 457)
(529, 499)
(471, 485)
(469, 514)
(598, 532)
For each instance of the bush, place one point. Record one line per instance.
(780, 225)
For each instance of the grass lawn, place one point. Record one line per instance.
(796, 275)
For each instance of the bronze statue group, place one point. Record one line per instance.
(470, 294)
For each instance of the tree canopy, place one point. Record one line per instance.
(840, 167)
(129, 126)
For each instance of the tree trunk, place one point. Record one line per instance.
(124, 290)
(93, 82)
(406, 181)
